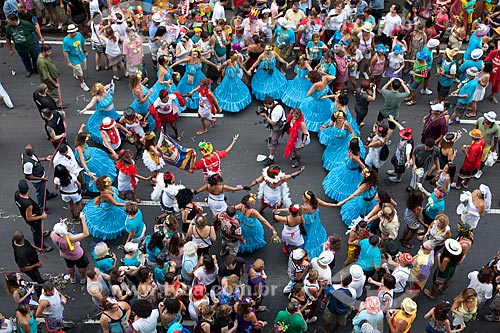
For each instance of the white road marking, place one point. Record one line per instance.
(471, 121)
(153, 203)
(185, 115)
(494, 211)
(190, 323)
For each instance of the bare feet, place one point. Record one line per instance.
(213, 121)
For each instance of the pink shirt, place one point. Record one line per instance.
(63, 247)
(132, 49)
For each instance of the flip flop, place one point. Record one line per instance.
(200, 132)
(470, 115)
(410, 103)
(407, 245)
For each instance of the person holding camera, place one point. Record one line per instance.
(275, 116)
(392, 102)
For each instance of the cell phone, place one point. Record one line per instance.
(372, 85)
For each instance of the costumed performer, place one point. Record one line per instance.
(141, 95)
(251, 223)
(268, 80)
(296, 89)
(110, 134)
(165, 81)
(152, 156)
(164, 192)
(128, 176)
(299, 136)
(167, 109)
(207, 105)
(291, 234)
(210, 163)
(474, 205)
(315, 108)
(273, 188)
(106, 214)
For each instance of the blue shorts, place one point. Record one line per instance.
(414, 85)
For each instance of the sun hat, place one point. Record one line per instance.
(473, 71)
(437, 107)
(406, 258)
(156, 17)
(409, 305)
(406, 133)
(267, 10)
(397, 49)
(72, 28)
(482, 29)
(491, 116)
(356, 272)
(372, 304)
(206, 147)
(108, 123)
(422, 56)
(380, 48)
(476, 54)
(476, 133)
(326, 258)
(60, 228)
(433, 42)
(453, 246)
(130, 247)
(367, 27)
(298, 254)
(451, 53)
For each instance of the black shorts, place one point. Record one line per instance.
(83, 262)
(442, 90)
(381, 117)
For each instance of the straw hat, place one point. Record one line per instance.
(476, 133)
(367, 27)
(453, 246)
(409, 305)
(72, 28)
(451, 53)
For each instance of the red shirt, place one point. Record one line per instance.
(473, 159)
(211, 163)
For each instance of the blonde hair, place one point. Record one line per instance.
(443, 218)
(101, 250)
(200, 221)
(190, 248)
(313, 275)
(97, 88)
(258, 264)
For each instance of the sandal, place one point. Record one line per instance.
(470, 115)
(427, 293)
(213, 121)
(200, 132)
(410, 103)
(116, 78)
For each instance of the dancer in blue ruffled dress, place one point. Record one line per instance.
(361, 201)
(165, 82)
(316, 233)
(104, 107)
(296, 89)
(251, 225)
(343, 180)
(232, 94)
(268, 80)
(94, 161)
(315, 108)
(192, 77)
(336, 135)
(142, 100)
(106, 214)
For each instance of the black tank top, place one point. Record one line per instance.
(56, 123)
(23, 204)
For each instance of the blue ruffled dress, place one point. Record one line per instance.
(99, 163)
(253, 233)
(232, 94)
(343, 180)
(268, 81)
(296, 89)
(316, 110)
(157, 87)
(143, 108)
(359, 206)
(316, 234)
(95, 120)
(105, 221)
(185, 88)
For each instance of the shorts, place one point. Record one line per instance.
(330, 318)
(414, 85)
(442, 90)
(83, 262)
(79, 68)
(486, 151)
(381, 117)
(272, 141)
(52, 4)
(460, 108)
(77, 197)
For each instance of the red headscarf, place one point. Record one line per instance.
(293, 131)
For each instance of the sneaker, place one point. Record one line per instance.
(311, 320)
(268, 161)
(450, 122)
(288, 288)
(84, 86)
(389, 143)
(366, 76)
(479, 173)
(391, 172)
(457, 120)
(395, 179)
(83, 281)
(494, 99)
(426, 91)
(491, 317)
(72, 280)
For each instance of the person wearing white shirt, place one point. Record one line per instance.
(146, 318)
(336, 17)
(120, 27)
(321, 264)
(219, 12)
(391, 21)
(358, 279)
(66, 157)
(481, 282)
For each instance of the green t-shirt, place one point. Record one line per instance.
(392, 102)
(46, 69)
(488, 133)
(295, 322)
(421, 69)
(22, 35)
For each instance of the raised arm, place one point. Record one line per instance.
(230, 147)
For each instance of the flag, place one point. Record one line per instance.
(175, 154)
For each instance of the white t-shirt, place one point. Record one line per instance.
(120, 29)
(358, 286)
(168, 107)
(68, 160)
(324, 273)
(278, 113)
(218, 12)
(390, 23)
(335, 21)
(147, 325)
(204, 278)
(71, 188)
(396, 62)
(484, 291)
(401, 275)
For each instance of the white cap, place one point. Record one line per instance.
(298, 254)
(437, 107)
(476, 54)
(326, 257)
(129, 247)
(356, 272)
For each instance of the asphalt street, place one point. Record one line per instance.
(22, 125)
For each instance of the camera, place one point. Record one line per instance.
(260, 110)
(372, 85)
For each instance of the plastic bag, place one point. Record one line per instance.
(491, 159)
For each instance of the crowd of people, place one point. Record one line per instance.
(206, 62)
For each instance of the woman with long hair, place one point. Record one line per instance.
(447, 261)
(299, 136)
(154, 244)
(412, 217)
(152, 156)
(358, 233)
(438, 321)
(251, 222)
(113, 51)
(291, 234)
(25, 319)
(70, 189)
(296, 89)
(120, 289)
(316, 233)
(268, 80)
(94, 161)
(115, 316)
(102, 98)
(142, 100)
(375, 145)
(316, 107)
(175, 248)
(465, 307)
(207, 104)
(106, 214)
(165, 81)
(206, 273)
(216, 198)
(202, 234)
(20, 291)
(245, 315)
(147, 288)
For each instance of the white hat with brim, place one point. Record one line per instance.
(472, 71)
(356, 272)
(491, 116)
(72, 28)
(298, 254)
(367, 27)
(453, 246)
(326, 258)
(130, 247)
(156, 18)
(476, 54)
(433, 43)
(437, 107)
